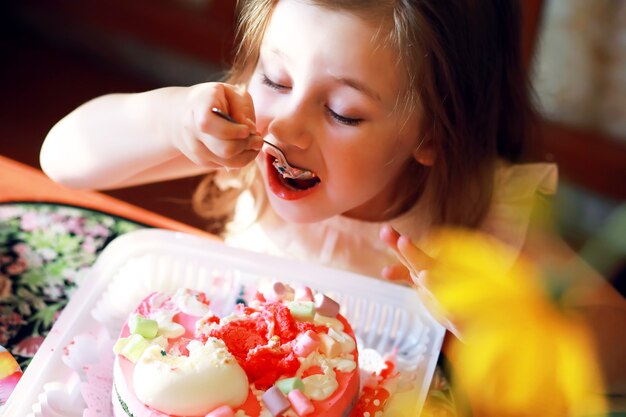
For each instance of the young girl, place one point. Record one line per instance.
(408, 113)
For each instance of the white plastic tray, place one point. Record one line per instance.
(384, 315)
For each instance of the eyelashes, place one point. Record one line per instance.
(271, 84)
(347, 121)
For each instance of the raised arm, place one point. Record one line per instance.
(120, 140)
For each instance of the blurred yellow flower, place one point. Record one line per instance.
(520, 355)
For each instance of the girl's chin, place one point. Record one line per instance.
(293, 212)
(280, 187)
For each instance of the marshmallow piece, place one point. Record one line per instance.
(326, 306)
(275, 401)
(300, 403)
(289, 384)
(275, 292)
(134, 347)
(345, 341)
(306, 343)
(278, 288)
(302, 310)
(303, 294)
(329, 346)
(138, 324)
(223, 411)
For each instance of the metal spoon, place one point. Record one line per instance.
(281, 163)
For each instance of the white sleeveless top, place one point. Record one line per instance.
(354, 245)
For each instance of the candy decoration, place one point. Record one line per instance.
(329, 346)
(134, 347)
(275, 292)
(147, 328)
(371, 402)
(8, 364)
(306, 343)
(10, 374)
(326, 306)
(302, 310)
(340, 338)
(346, 342)
(289, 384)
(279, 288)
(300, 403)
(275, 401)
(223, 411)
(303, 294)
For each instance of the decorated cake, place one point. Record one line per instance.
(288, 352)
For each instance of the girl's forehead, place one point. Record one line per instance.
(295, 14)
(332, 41)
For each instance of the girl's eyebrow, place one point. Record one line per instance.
(359, 86)
(278, 52)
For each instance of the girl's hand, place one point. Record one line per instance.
(413, 267)
(211, 141)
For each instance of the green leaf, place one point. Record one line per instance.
(67, 243)
(122, 227)
(54, 270)
(34, 278)
(45, 316)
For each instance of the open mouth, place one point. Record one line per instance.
(294, 183)
(288, 188)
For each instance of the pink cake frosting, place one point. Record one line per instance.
(287, 353)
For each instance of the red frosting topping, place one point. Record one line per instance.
(247, 340)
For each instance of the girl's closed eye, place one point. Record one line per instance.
(273, 85)
(348, 121)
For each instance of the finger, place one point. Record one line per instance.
(390, 236)
(214, 125)
(228, 149)
(420, 278)
(197, 152)
(416, 257)
(239, 161)
(396, 272)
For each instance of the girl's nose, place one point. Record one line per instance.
(290, 127)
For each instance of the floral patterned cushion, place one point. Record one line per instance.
(44, 251)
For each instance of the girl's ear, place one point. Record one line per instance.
(425, 154)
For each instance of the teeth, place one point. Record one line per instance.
(281, 168)
(281, 171)
(291, 183)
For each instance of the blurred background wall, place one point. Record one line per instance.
(58, 54)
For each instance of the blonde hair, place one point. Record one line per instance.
(463, 67)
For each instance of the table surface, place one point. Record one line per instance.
(20, 182)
